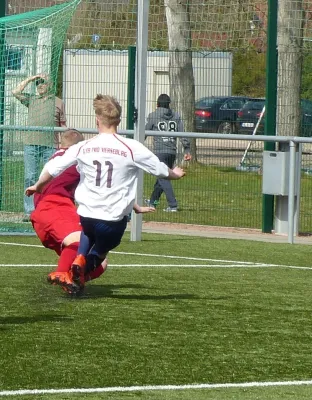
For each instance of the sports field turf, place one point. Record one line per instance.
(173, 318)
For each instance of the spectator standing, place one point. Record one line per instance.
(108, 165)
(44, 109)
(165, 148)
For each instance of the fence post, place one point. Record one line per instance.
(270, 106)
(140, 103)
(2, 82)
(131, 87)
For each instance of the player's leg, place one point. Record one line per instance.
(156, 193)
(166, 184)
(79, 263)
(97, 272)
(107, 235)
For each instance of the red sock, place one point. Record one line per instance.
(98, 271)
(67, 257)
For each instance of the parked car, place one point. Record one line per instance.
(218, 114)
(249, 115)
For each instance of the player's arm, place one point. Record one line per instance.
(45, 177)
(142, 210)
(54, 168)
(148, 162)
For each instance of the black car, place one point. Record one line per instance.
(248, 117)
(217, 114)
(249, 122)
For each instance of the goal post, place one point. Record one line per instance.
(30, 44)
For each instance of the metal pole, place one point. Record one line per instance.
(131, 87)
(2, 93)
(270, 106)
(291, 194)
(253, 133)
(140, 103)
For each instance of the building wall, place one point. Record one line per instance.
(88, 72)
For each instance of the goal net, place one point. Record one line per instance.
(30, 49)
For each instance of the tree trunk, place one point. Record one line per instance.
(290, 35)
(181, 78)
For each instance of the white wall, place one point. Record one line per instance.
(88, 72)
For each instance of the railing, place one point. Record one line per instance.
(294, 143)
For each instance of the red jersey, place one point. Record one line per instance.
(63, 185)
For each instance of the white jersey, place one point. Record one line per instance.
(108, 165)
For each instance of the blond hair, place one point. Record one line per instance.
(70, 137)
(107, 109)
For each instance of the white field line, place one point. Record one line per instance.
(153, 265)
(229, 263)
(154, 388)
(170, 265)
(149, 255)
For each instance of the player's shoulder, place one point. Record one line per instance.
(58, 153)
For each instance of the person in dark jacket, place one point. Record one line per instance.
(165, 148)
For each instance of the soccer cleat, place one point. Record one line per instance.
(171, 209)
(64, 279)
(54, 277)
(78, 269)
(76, 292)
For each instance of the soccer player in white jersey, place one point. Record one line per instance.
(108, 165)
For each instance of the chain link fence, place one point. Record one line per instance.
(215, 69)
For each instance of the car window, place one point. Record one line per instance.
(233, 104)
(206, 102)
(254, 105)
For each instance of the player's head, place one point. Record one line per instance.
(70, 137)
(107, 110)
(163, 101)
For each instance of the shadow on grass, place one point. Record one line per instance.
(109, 291)
(17, 320)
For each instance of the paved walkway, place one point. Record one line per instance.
(219, 232)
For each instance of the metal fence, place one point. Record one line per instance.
(236, 48)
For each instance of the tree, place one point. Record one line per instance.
(181, 78)
(289, 41)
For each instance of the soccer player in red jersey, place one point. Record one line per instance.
(108, 165)
(55, 219)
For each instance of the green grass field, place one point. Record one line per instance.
(174, 317)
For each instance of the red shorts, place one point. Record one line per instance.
(55, 218)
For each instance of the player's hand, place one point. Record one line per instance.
(30, 190)
(144, 210)
(187, 157)
(179, 171)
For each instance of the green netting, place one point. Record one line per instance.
(30, 48)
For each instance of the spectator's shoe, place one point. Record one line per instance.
(78, 269)
(149, 203)
(64, 279)
(170, 209)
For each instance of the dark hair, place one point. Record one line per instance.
(40, 81)
(163, 101)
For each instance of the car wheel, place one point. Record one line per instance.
(225, 127)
